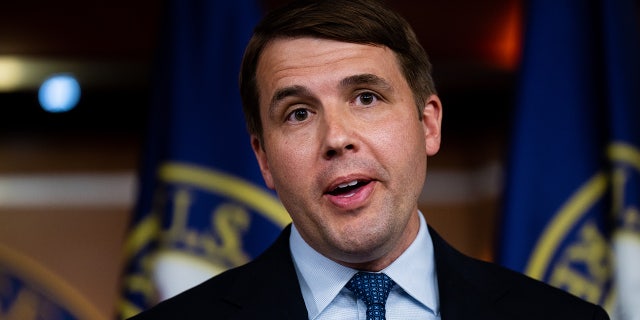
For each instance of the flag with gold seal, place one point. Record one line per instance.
(202, 207)
(572, 191)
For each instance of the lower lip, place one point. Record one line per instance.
(354, 199)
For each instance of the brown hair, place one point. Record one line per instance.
(353, 21)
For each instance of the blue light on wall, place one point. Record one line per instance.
(59, 93)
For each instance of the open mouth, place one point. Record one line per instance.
(348, 187)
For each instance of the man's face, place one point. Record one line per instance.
(344, 146)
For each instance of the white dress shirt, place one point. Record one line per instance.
(415, 295)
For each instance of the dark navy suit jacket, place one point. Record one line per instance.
(267, 288)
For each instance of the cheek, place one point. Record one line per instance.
(290, 165)
(403, 145)
(401, 136)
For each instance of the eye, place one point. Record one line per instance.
(366, 98)
(298, 115)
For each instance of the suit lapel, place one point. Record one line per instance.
(271, 289)
(465, 292)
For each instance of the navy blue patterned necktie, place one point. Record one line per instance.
(373, 289)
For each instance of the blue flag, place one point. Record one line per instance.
(28, 290)
(202, 206)
(573, 184)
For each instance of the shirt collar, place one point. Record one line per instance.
(321, 279)
(414, 271)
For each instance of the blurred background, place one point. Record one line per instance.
(69, 180)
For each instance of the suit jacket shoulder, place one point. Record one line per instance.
(473, 289)
(265, 288)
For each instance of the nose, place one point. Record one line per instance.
(339, 136)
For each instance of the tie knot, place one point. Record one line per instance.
(373, 289)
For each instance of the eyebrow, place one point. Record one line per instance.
(283, 93)
(365, 79)
(292, 91)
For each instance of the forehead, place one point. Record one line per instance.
(312, 61)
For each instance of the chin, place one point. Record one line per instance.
(361, 249)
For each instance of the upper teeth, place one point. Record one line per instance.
(348, 184)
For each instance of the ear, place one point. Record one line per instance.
(261, 156)
(432, 122)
